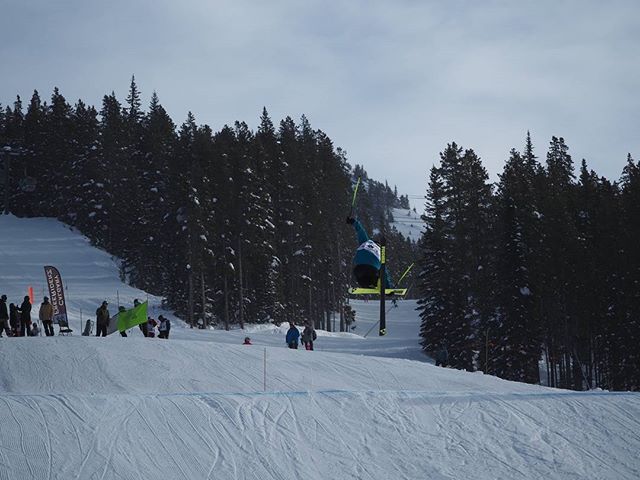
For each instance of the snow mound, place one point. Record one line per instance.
(86, 407)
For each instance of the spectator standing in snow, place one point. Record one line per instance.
(46, 316)
(25, 316)
(14, 319)
(164, 327)
(247, 341)
(308, 336)
(123, 333)
(442, 356)
(292, 336)
(4, 316)
(151, 327)
(102, 319)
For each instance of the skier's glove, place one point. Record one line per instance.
(350, 220)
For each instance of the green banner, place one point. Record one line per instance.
(132, 317)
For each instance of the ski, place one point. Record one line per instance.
(405, 273)
(375, 291)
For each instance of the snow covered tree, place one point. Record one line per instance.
(515, 336)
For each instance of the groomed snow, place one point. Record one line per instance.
(408, 223)
(195, 406)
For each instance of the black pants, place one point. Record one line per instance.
(4, 326)
(48, 327)
(144, 329)
(293, 345)
(101, 330)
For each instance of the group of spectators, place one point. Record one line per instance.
(15, 321)
(307, 338)
(148, 328)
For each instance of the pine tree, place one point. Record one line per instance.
(560, 255)
(625, 367)
(434, 285)
(467, 225)
(516, 337)
(81, 201)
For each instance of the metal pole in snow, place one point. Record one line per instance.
(486, 352)
(383, 286)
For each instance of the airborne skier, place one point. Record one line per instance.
(366, 262)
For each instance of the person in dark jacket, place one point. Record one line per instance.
(442, 356)
(366, 262)
(292, 336)
(102, 319)
(46, 316)
(4, 316)
(25, 316)
(164, 327)
(14, 319)
(247, 341)
(308, 336)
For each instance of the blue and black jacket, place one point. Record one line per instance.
(368, 252)
(293, 334)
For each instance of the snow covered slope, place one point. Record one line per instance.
(200, 405)
(408, 223)
(89, 275)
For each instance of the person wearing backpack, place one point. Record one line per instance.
(308, 336)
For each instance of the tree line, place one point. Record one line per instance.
(228, 226)
(541, 269)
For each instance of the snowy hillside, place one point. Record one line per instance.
(200, 405)
(89, 275)
(408, 223)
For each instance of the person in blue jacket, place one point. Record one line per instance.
(366, 262)
(293, 335)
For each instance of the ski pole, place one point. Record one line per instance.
(355, 194)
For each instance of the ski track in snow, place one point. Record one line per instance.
(330, 434)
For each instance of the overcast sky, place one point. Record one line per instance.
(391, 82)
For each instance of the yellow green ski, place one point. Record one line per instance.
(400, 292)
(376, 291)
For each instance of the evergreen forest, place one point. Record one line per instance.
(231, 226)
(543, 266)
(228, 226)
